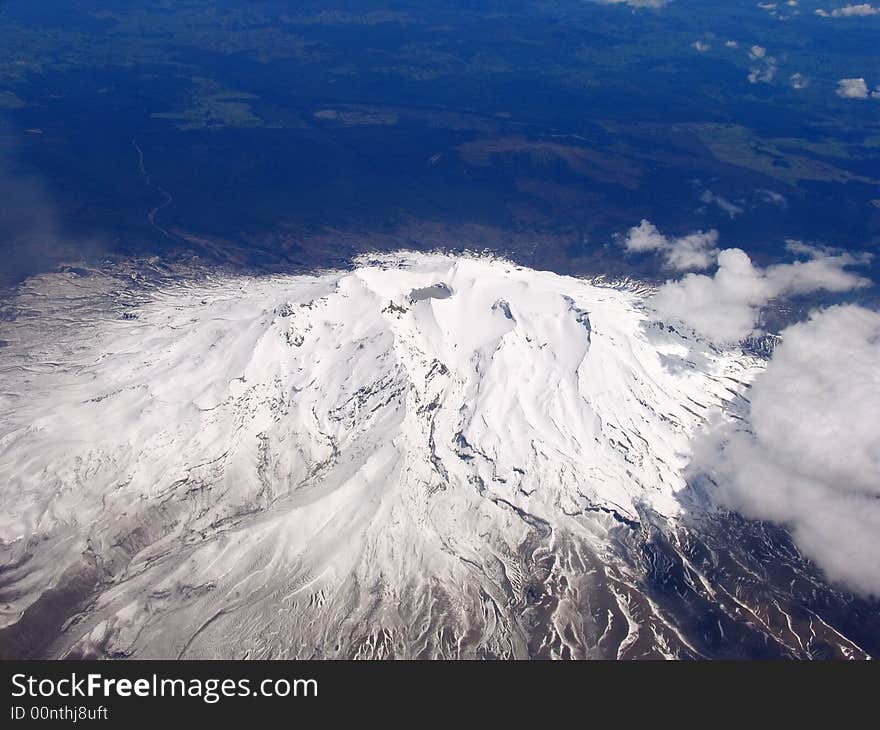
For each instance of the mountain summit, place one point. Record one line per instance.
(425, 456)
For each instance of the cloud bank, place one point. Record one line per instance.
(809, 455)
(725, 307)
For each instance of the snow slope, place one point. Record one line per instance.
(425, 456)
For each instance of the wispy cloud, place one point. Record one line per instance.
(725, 205)
(31, 236)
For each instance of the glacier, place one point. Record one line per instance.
(425, 456)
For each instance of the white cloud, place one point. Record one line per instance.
(808, 456)
(775, 10)
(762, 75)
(764, 68)
(694, 251)
(645, 237)
(798, 81)
(852, 88)
(726, 306)
(756, 52)
(701, 46)
(848, 11)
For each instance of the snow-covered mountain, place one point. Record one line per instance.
(426, 456)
